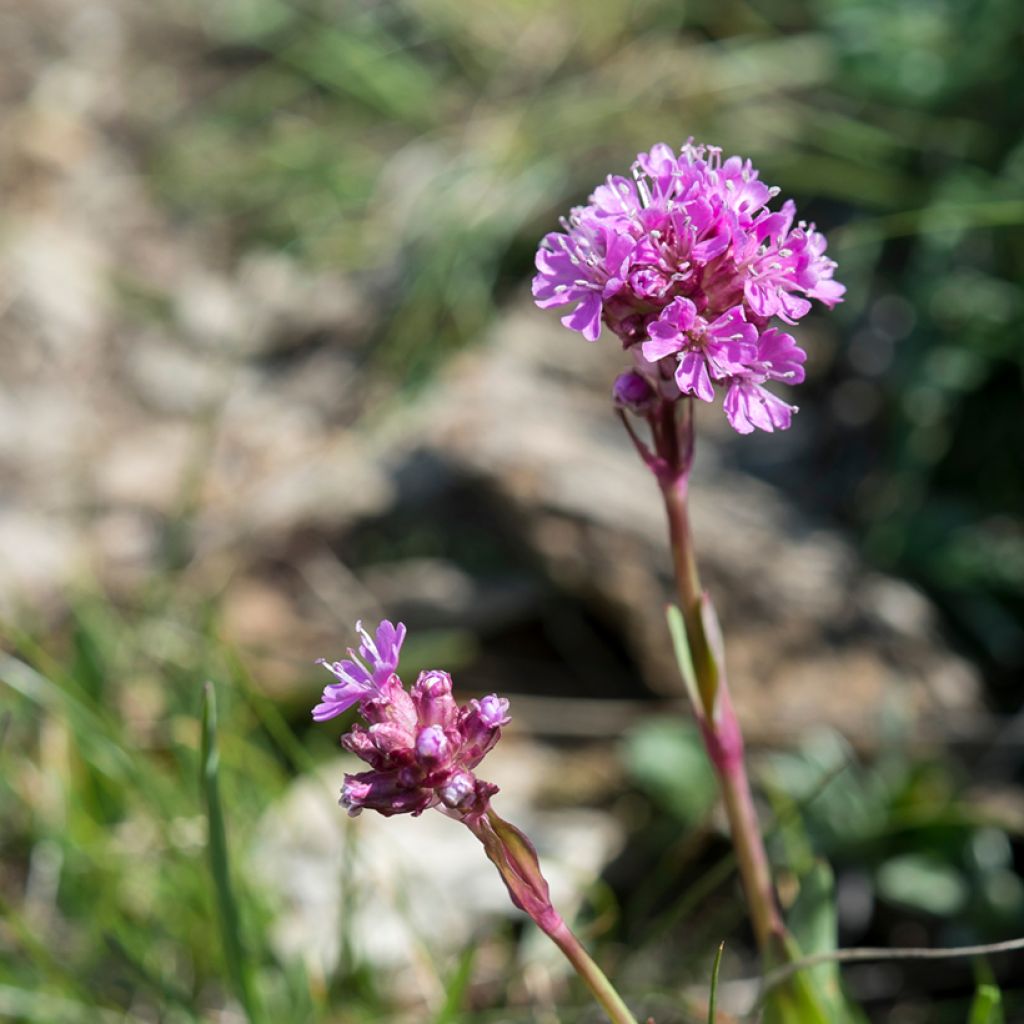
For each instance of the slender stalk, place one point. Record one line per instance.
(684, 565)
(725, 746)
(595, 979)
(723, 738)
(238, 965)
(512, 853)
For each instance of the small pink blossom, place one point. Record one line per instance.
(420, 744)
(362, 675)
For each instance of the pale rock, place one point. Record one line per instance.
(415, 879)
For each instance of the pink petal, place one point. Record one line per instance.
(586, 317)
(693, 378)
(658, 348)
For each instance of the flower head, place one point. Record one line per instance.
(421, 745)
(686, 264)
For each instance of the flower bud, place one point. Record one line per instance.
(391, 739)
(632, 391)
(493, 710)
(383, 792)
(459, 792)
(358, 741)
(481, 726)
(432, 697)
(432, 745)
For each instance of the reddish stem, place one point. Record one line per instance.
(673, 437)
(512, 853)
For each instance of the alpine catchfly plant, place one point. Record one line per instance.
(688, 266)
(423, 749)
(699, 278)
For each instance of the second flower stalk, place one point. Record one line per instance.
(700, 653)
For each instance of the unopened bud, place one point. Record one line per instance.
(432, 696)
(633, 391)
(432, 745)
(459, 791)
(493, 710)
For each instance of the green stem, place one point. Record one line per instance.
(595, 979)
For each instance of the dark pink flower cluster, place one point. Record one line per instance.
(421, 746)
(688, 266)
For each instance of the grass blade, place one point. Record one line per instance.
(713, 998)
(455, 991)
(217, 845)
(987, 1005)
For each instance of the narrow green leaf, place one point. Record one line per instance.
(796, 1000)
(684, 658)
(91, 727)
(367, 66)
(814, 924)
(665, 757)
(217, 846)
(267, 712)
(925, 882)
(714, 647)
(987, 1006)
(713, 998)
(455, 993)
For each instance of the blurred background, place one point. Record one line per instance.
(270, 365)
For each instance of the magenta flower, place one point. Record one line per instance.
(420, 745)
(362, 675)
(687, 262)
(747, 403)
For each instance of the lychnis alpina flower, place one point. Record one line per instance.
(688, 266)
(422, 749)
(420, 745)
(356, 680)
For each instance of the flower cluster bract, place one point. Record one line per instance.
(421, 746)
(688, 266)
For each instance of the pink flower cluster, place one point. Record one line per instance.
(421, 746)
(688, 266)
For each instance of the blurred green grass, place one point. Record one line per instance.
(128, 889)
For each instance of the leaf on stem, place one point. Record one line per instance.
(684, 657)
(799, 999)
(715, 646)
(814, 924)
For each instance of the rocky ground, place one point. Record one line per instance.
(164, 398)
